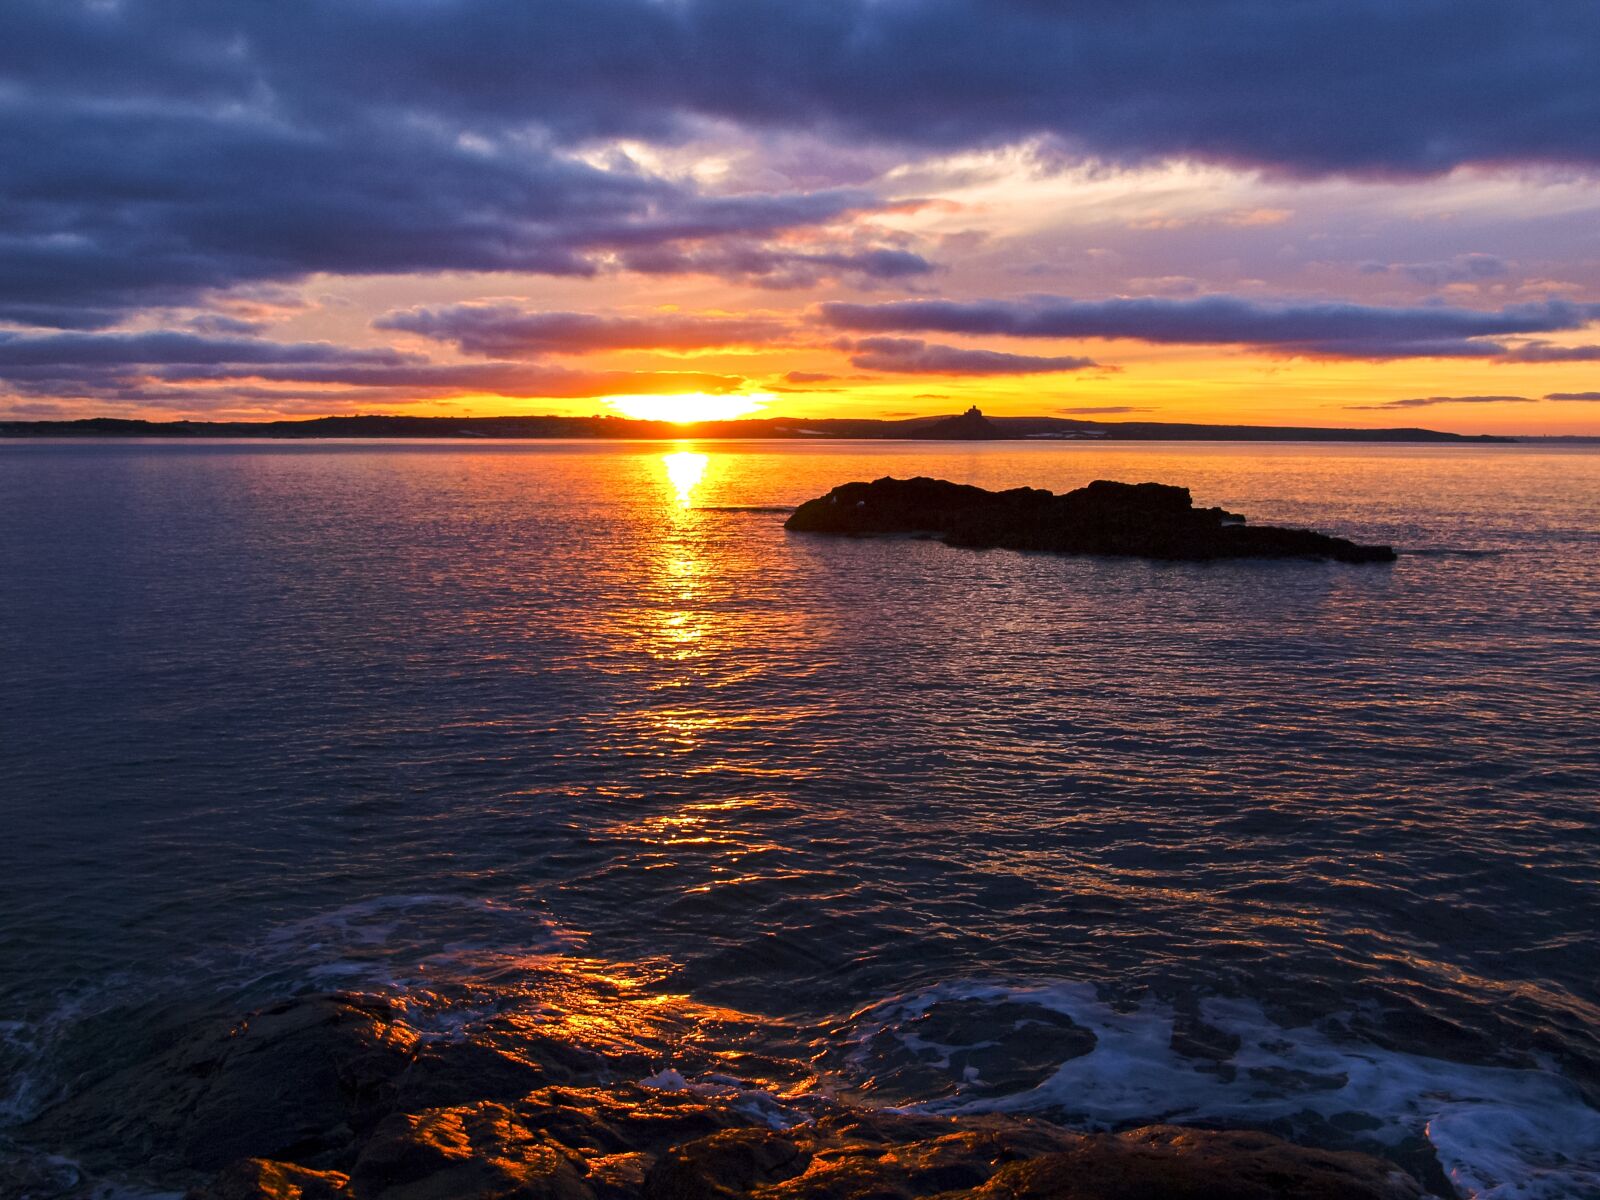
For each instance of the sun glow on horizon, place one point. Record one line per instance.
(685, 408)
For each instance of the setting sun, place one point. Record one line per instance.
(687, 407)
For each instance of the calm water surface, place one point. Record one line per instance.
(481, 725)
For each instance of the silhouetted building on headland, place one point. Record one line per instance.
(970, 426)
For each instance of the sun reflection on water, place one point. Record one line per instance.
(685, 470)
(681, 573)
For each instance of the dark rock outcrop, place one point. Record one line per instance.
(1144, 520)
(896, 1157)
(314, 1100)
(260, 1178)
(301, 1081)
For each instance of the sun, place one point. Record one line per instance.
(685, 408)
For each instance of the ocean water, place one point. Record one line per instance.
(492, 727)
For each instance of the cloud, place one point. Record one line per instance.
(499, 330)
(207, 372)
(1312, 87)
(774, 267)
(1239, 219)
(1545, 352)
(808, 377)
(112, 207)
(1463, 268)
(151, 153)
(1573, 396)
(1253, 217)
(1165, 285)
(36, 410)
(1088, 409)
(218, 323)
(166, 347)
(1329, 329)
(914, 356)
(1429, 401)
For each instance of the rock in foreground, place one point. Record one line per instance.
(336, 1098)
(1143, 520)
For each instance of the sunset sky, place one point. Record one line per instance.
(1359, 212)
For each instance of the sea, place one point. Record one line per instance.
(479, 725)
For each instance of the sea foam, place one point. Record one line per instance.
(1499, 1133)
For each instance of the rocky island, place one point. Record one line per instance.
(1142, 520)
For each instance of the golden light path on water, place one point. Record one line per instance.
(683, 566)
(685, 469)
(689, 627)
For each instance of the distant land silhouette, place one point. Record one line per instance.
(970, 426)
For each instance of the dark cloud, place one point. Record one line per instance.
(912, 355)
(1463, 268)
(809, 377)
(1545, 352)
(168, 348)
(498, 379)
(775, 267)
(1573, 396)
(36, 410)
(1319, 328)
(509, 331)
(152, 151)
(1430, 401)
(217, 323)
(109, 207)
(149, 367)
(1311, 86)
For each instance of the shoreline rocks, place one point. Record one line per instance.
(1143, 520)
(336, 1098)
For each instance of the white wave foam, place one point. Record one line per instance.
(392, 942)
(1500, 1133)
(400, 924)
(757, 1103)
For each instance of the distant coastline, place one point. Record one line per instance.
(939, 428)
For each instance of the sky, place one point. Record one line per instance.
(1315, 212)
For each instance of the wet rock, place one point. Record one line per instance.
(1211, 1048)
(625, 1119)
(297, 1081)
(31, 1176)
(1175, 1163)
(883, 1156)
(888, 1157)
(1192, 1037)
(260, 1179)
(316, 1099)
(983, 1048)
(477, 1152)
(444, 1074)
(726, 1164)
(1145, 520)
